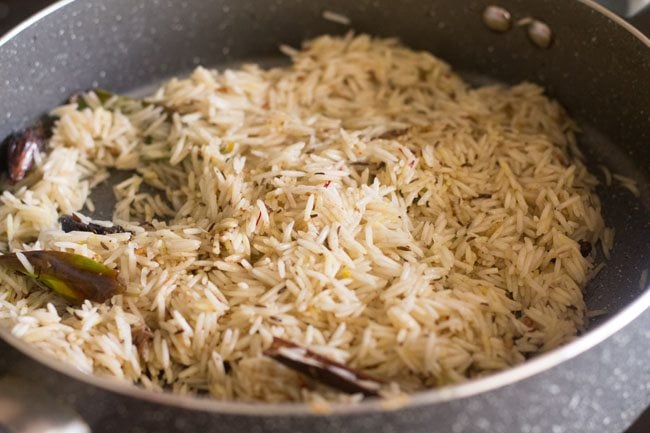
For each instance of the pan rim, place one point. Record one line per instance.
(470, 388)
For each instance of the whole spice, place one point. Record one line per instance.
(72, 223)
(540, 34)
(322, 369)
(497, 19)
(74, 277)
(20, 150)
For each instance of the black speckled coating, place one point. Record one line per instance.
(599, 71)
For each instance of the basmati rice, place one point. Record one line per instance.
(336, 18)
(25, 262)
(363, 202)
(627, 183)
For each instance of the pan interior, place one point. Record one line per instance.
(597, 70)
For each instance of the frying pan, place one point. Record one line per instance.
(598, 67)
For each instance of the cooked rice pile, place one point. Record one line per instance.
(364, 202)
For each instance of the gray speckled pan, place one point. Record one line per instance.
(598, 67)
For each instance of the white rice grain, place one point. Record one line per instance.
(25, 262)
(336, 18)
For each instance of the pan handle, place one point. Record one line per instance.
(25, 408)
